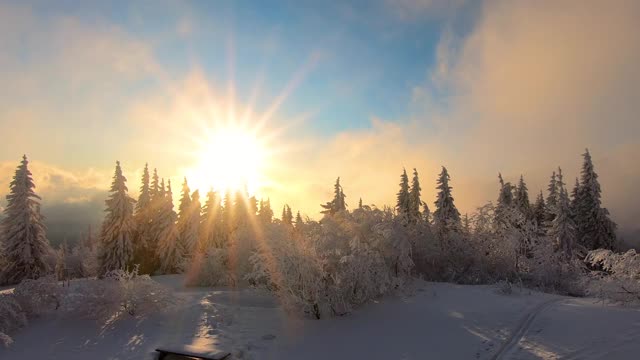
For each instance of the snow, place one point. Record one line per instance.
(430, 320)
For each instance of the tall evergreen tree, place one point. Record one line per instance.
(414, 198)
(360, 204)
(228, 214)
(552, 198)
(299, 222)
(402, 203)
(446, 218)
(118, 227)
(562, 229)
(426, 213)
(168, 250)
(265, 213)
(190, 233)
(287, 215)
(504, 204)
(522, 199)
(540, 211)
(595, 228)
(24, 241)
(338, 203)
(211, 223)
(142, 217)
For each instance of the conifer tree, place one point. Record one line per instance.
(552, 197)
(562, 229)
(338, 203)
(402, 203)
(299, 222)
(24, 242)
(540, 211)
(522, 199)
(504, 204)
(143, 216)
(189, 235)
(118, 227)
(287, 215)
(414, 198)
(595, 228)
(228, 214)
(446, 218)
(264, 212)
(211, 223)
(360, 204)
(426, 213)
(62, 270)
(168, 250)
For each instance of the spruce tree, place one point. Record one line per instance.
(190, 235)
(562, 229)
(595, 228)
(360, 204)
(402, 203)
(540, 211)
(24, 242)
(504, 204)
(211, 220)
(414, 198)
(338, 203)
(426, 213)
(168, 250)
(265, 214)
(299, 222)
(143, 217)
(552, 197)
(287, 215)
(118, 227)
(446, 218)
(522, 199)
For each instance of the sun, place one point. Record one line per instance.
(230, 158)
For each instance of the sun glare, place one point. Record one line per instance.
(230, 159)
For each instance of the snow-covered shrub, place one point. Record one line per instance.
(119, 292)
(12, 318)
(209, 269)
(40, 296)
(619, 277)
(330, 267)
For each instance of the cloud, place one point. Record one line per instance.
(416, 10)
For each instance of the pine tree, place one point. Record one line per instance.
(287, 215)
(168, 250)
(190, 225)
(402, 203)
(414, 198)
(360, 204)
(264, 212)
(118, 227)
(24, 242)
(155, 184)
(540, 211)
(505, 203)
(228, 214)
(338, 203)
(426, 213)
(446, 218)
(595, 228)
(522, 199)
(299, 222)
(143, 216)
(211, 223)
(562, 229)
(552, 197)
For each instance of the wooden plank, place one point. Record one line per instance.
(198, 355)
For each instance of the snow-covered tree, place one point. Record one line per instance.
(402, 202)
(143, 216)
(299, 223)
(118, 227)
(338, 203)
(562, 229)
(24, 242)
(521, 198)
(505, 203)
(265, 213)
(165, 229)
(414, 198)
(426, 213)
(540, 211)
(211, 224)
(189, 224)
(287, 215)
(552, 198)
(595, 228)
(62, 270)
(446, 218)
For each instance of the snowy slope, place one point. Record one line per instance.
(438, 321)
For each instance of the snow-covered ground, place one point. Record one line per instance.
(432, 320)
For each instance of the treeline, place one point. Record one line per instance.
(151, 234)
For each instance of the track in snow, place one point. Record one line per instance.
(522, 329)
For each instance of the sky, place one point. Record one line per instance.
(356, 89)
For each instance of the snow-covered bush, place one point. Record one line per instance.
(119, 292)
(618, 278)
(209, 269)
(40, 296)
(330, 267)
(12, 318)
